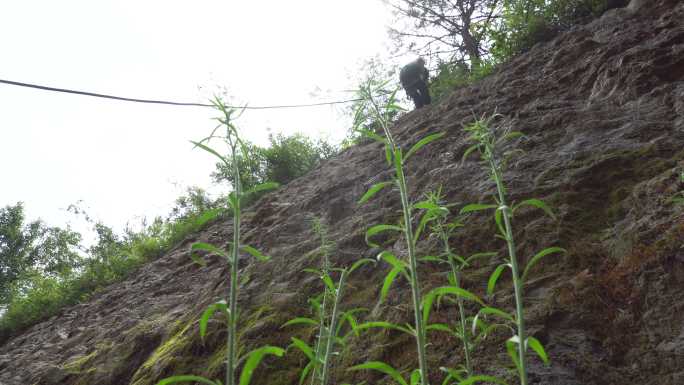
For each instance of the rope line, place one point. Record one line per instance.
(150, 101)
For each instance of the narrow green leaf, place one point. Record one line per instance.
(187, 378)
(377, 229)
(328, 282)
(512, 135)
(387, 282)
(388, 154)
(496, 312)
(210, 150)
(208, 313)
(429, 299)
(439, 328)
(371, 135)
(536, 203)
(300, 321)
(255, 253)
(432, 258)
(381, 367)
(512, 350)
(476, 321)
(426, 305)
(538, 348)
(462, 262)
(398, 160)
(415, 377)
(455, 374)
(426, 140)
(459, 292)
(486, 330)
(303, 347)
(428, 205)
(533, 261)
(477, 256)
(476, 207)
(491, 283)
(305, 372)
(208, 248)
(385, 325)
(498, 218)
(392, 259)
(424, 220)
(469, 151)
(351, 320)
(255, 358)
(476, 379)
(360, 263)
(372, 191)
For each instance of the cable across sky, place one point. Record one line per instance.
(166, 102)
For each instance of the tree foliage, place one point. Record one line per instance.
(287, 158)
(469, 36)
(455, 31)
(524, 23)
(26, 248)
(43, 269)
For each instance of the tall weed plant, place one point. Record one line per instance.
(491, 145)
(465, 329)
(406, 267)
(330, 318)
(229, 307)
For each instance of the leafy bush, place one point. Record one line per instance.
(525, 23)
(38, 292)
(287, 158)
(452, 75)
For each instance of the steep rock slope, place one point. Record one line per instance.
(602, 108)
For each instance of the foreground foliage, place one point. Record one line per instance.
(229, 308)
(330, 317)
(495, 157)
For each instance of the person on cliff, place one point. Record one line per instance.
(414, 78)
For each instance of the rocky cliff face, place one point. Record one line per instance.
(602, 109)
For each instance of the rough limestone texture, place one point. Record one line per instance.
(602, 110)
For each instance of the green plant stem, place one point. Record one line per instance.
(415, 288)
(461, 310)
(466, 338)
(517, 282)
(232, 332)
(323, 334)
(408, 233)
(331, 331)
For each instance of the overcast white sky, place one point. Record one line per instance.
(127, 160)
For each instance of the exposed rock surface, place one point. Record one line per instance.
(602, 108)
